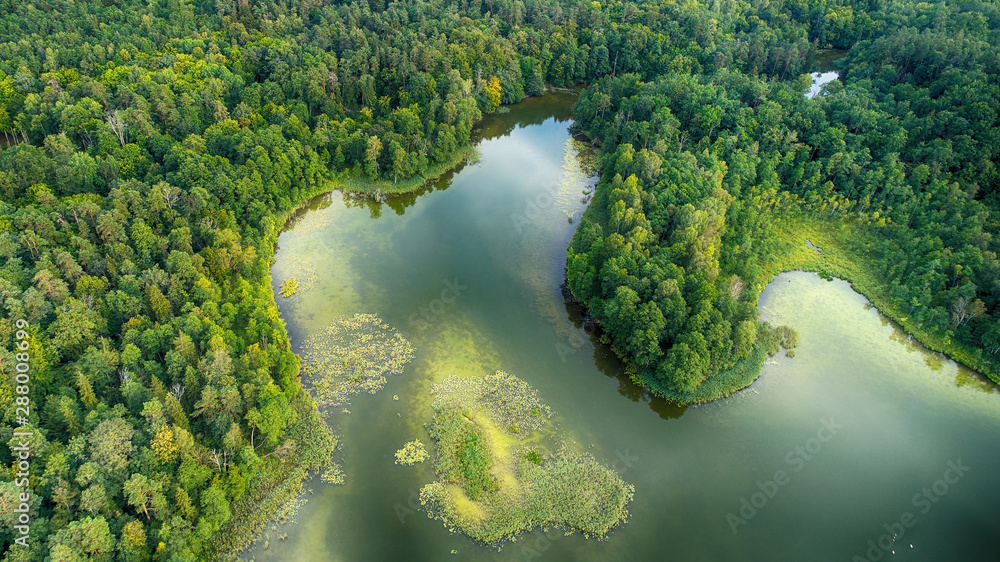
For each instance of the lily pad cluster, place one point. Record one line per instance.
(508, 400)
(353, 354)
(412, 453)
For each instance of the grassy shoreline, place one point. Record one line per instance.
(274, 493)
(836, 260)
(725, 383)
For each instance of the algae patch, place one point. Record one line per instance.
(500, 472)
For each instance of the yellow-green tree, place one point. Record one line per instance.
(163, 444)
(493, 94)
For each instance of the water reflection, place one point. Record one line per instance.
(819, 80)
(903, 420)
(825, 63)
(531, 111)
(967, 378)
(315, 204)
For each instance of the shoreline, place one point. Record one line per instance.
(836, 261)
(831, 261)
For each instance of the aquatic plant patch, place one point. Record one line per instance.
(502, 470)
(302, 272)
(353, 354)
(289, 287)
(412, 453)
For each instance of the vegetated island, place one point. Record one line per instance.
(503, 471)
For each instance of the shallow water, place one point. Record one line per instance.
(491, 234)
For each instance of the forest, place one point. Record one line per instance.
(152, 150)
(702, 171)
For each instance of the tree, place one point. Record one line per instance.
(492, 91)
(744, 336)
(372, 153)
(275, 413)
(965, 309)
(159, 304)
(87, 539)
(111, 446)
(214, 508)
(132, 546)
(683, 369)
(74, 328)
(116, 122)
(10, 500)
(94, 499)
(163, 444)
(397, 157)
(144, 494)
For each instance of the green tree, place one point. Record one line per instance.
(111, 446)
(144, 494)
(87, 539)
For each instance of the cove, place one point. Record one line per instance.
(470, 270)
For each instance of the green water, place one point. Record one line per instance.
(488, 231)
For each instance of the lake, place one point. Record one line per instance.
(822, 454)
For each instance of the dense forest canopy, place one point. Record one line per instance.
(700, 167)
(152, 148)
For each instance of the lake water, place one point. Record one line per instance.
(827, 71)
(859, 421)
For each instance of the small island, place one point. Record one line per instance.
(503, 469)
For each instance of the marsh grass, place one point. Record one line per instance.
(845, 255)
(787, 337)
(495, 481)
